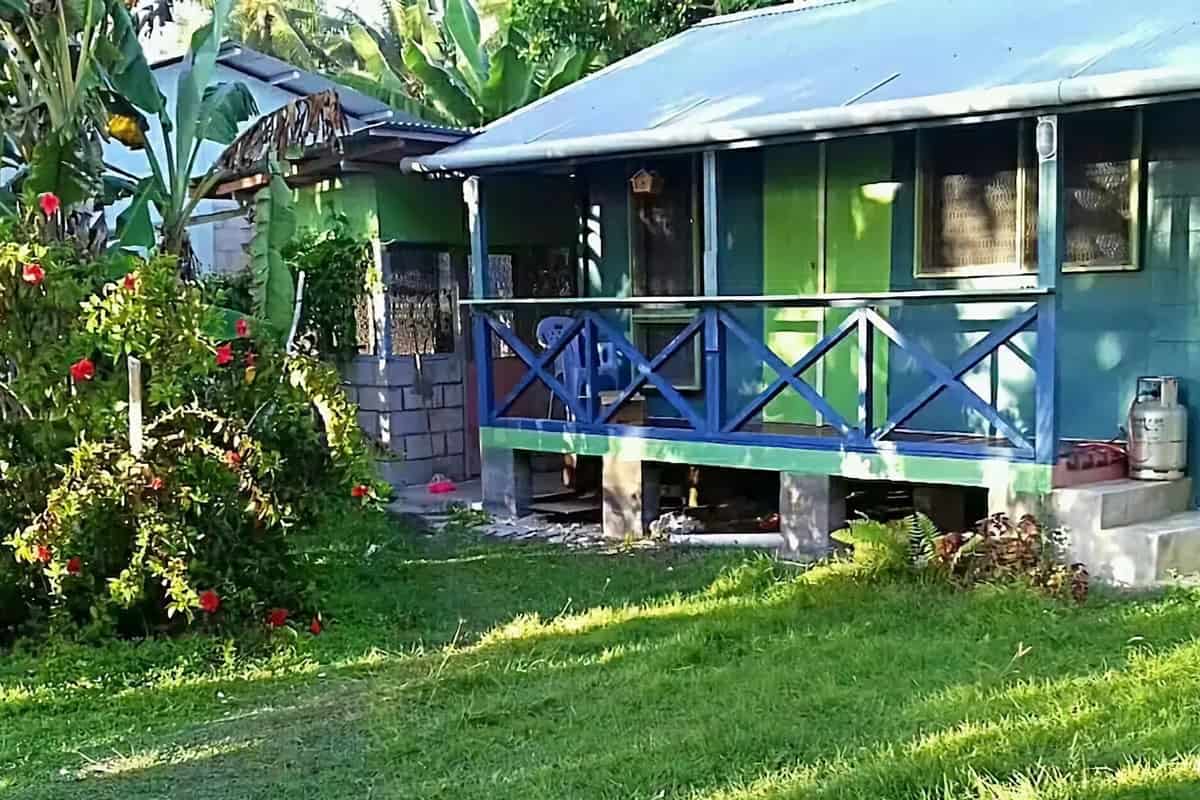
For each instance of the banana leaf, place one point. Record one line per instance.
(510, 83)
(461, 21)
(441, 90)
(195, 76)
(135, 228)
(129, 71)
(59, 165)
(274, 291)
(224, 107)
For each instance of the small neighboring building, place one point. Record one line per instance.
(907, 241)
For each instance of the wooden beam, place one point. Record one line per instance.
(474, 197)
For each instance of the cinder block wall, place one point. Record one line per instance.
(414, 408)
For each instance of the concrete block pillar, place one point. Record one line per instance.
(810, 508)
(631, 492)
(507, 477)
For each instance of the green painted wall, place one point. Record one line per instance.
(858, 253)
(352, 196)
(421, 211)
(791, 244)
(858, 258)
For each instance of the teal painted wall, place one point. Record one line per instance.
(1113, 326)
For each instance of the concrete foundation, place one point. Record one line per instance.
(810, 508)
(631, 494)
(507, 481)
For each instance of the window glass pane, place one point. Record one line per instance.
(1098, 176)
(680, 368)
(663, 232)
(972, 194)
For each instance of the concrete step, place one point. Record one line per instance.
(1143, 554)
(1114, 504)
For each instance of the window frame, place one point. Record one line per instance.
(923, 223)
(1137, 204)
(639, 319)
(923, 243)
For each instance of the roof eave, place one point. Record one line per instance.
(1021, 97)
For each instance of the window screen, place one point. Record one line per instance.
(1099, 180)
(420, 300)
(977, 198)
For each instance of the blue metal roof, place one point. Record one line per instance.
(834, 65)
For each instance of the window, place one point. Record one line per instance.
(1102, 187)
(978, 199)
(665, 258)
(420, 299)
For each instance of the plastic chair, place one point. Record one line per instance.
(568, 365)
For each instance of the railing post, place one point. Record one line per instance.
(866, 377)
(1051, 249)
(591, 358)
(714, 371)
(483, 367)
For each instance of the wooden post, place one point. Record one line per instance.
(1051, 250)
(473, 196)
(136, 443)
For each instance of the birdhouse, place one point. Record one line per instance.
(646, 183)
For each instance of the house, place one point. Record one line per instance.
(923, 242)
(409, 376)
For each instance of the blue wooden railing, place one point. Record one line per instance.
(713, 320)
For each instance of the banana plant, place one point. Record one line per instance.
(63, 68)
(204, 111)
(445, 67)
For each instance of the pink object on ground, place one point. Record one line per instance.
(444, 486)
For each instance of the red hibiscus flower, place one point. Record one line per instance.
(130, 282)
(224, 354)
(83, 370)
(74, 565)
(155, 484)
(43, 554)
(276, 617)
(33, 274)
(210, 601)
(233, 458)
(49, 203)
(315, 626)
(242, 327)
(362, 490)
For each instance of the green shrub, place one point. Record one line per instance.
(241, 443)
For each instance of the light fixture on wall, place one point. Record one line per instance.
(1046, 138)
(646, 183)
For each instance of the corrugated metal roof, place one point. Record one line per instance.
(362, 109)
(810, 66)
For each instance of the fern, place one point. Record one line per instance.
(922, 534)
(879, 546)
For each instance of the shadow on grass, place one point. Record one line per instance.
(645, 677)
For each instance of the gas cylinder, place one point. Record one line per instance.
(1157, 431)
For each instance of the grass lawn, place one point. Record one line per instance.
(459, 669)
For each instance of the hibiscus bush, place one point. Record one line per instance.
(241, 442)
